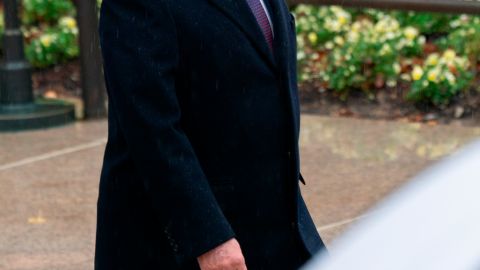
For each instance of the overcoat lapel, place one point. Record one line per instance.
(281, 42)
(239, 12)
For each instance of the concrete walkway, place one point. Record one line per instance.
(49, 179)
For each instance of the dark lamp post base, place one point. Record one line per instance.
(37, 115)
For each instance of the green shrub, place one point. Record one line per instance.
(50, 31)
(53, 45)
(426, 22)
(361, 54)
(464, 37)
(46, 11)
(369, 55)
(440, 78)
(348, 49)
(322, 24)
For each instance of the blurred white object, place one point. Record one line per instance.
(433, 223)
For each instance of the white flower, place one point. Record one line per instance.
(391, 83)
(450, 78)
(397, 68)
(339, 40)
(422, 40)
(405, 77)
(329, 45)
(300, 55)
(390, 35)
(385, 50)
(353, 36)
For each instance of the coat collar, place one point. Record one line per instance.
(239, 12)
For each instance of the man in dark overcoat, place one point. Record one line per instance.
(201, 168)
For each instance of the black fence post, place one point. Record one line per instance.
(93, 85)
(18, 108)
(16, 83)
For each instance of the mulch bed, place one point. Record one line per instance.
(58, 81)
(64, 81)
(389, 104)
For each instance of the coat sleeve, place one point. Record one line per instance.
(140, 53)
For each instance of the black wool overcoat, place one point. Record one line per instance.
(203, 136)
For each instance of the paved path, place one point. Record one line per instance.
(49, 178)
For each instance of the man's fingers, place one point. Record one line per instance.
(239, 265)
(242, 265)
(226, 256)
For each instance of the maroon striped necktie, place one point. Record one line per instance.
(262, 18)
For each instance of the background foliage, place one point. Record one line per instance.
(50, 31)
(434, 55)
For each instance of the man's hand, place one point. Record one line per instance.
(227, 256)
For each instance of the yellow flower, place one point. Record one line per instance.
(356, 26)
(381, 26)
(411, 33)
(432, 59)
(449, 55)
(46, 40)
(385, 49)
(68, 22)
(433, 75)
(313, 37)
(417, 73)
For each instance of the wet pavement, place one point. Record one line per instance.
(49, 179)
